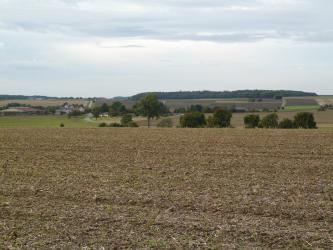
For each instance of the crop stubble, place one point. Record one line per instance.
(166, 188)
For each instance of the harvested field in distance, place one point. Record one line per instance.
(300, 101)
(325, 100)
(45, 103)
(166, 188)
(184, 103)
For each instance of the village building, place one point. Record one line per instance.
(67, 109)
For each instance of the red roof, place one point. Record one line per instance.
(27, 109)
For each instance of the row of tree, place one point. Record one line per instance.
(304, 120)
(220, 119)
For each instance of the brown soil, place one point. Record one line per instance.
(166, 188)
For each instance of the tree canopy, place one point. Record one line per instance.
(220, 119)
(305, 120)
(150, 107)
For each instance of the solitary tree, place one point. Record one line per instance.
(150, 107)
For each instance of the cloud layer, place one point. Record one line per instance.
(72, 47)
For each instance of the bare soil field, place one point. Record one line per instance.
(325, 100)
(308, 101)
(166, 189)
(300, 101)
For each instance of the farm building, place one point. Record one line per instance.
(69, 108)
(20, 111)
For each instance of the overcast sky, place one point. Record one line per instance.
(122, 47)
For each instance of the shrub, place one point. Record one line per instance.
(125, 119)
(269, 121)
(132, 124)
(115, 125)
(220, 119)
(211, 122)
(305, 120)
(251, 121)
(196, 108)
(193, 120)
(62, 125)
(102, 125)
(165, 123)
(286, 124)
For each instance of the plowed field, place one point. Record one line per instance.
(166, 188)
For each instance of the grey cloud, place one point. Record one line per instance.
(176, 19)
(37, 36)
(120, 47)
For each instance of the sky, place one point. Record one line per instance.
(112, 48)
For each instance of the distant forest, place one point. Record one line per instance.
(277, 94)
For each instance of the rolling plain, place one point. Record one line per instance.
(91, 188)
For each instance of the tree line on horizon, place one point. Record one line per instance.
(251, 94)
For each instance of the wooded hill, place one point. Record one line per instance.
(277, 94)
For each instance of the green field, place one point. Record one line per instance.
(301, 107)
(45, 122)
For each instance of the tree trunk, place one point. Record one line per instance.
(148, 122)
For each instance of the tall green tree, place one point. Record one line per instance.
(117, 108)
(104, 108)
(286, 123)
(305, 120)
(251, 121)
(220, 119)
(269, 121)
(150, 107)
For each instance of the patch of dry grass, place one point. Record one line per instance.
(166, 188)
